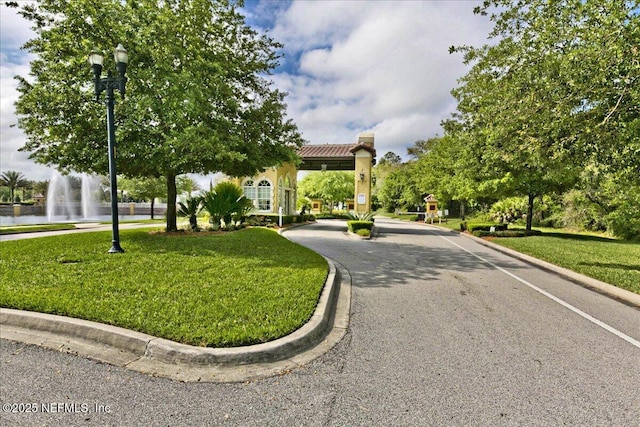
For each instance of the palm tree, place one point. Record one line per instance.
(191, 209)
(226, 202)
(13, 180)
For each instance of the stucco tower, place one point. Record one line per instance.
(365, 154)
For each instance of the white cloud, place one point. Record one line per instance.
(14, 32)
(376, 65)
(355, 66)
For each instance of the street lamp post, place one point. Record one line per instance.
(110, 83)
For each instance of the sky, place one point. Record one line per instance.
(349, 66)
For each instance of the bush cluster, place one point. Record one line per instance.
(363, 232)
(354, 226)
(482, 226)
(506, 233)
(332, 216)
(272, 219)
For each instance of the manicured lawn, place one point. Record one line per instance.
(204, 289)
(35, 228)
(613, 261)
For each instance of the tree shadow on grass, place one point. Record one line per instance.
(583, 237)
(618, 266)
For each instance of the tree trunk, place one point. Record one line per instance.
(153, 202)
(530, 211)
(462, 209)
(172, 224)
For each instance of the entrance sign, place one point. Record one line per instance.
(362, 199)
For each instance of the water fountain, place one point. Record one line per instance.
(90, 200)
(59, 202)
(63, 206)
(66, 202)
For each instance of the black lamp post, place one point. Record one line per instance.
(110, 83)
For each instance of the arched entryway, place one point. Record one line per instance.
(360, 158)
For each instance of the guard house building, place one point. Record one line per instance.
(277, 187)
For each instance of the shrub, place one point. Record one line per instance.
(332, 216)
(509, 209)
(226, 202)
(485, 226)
(625, 220)
(582, 212)
(354, 226)
(363, 232)
(190, 209)
(506, 233)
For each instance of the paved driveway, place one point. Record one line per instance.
(443, 332)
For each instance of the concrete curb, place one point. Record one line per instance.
(619, 294)
(172, 352)
(165, 358)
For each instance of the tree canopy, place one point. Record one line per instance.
(558, 90)
(549, 112)
(198, 98)
(331, 186)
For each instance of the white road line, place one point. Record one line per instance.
(590, 318)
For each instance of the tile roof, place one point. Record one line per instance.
(326, 150)
(332, 150)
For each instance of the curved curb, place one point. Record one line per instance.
(165, 358)
(619, 294)
(172, 352)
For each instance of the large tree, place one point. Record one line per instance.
(558, 89)
(145, 189)
(443, 169)
(198, 99)
(332, 187)
(400, 189)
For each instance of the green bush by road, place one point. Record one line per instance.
(218, 290)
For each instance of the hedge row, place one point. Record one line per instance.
(484, 226)
(332, 216)
(266, 219)
(506, 233)
(354, 226)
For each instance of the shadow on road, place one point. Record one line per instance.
(398, 255)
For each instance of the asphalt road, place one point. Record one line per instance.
(443, 331)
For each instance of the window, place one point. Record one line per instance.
(249, 190)
(264, 195)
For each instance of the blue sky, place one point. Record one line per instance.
(348, 66)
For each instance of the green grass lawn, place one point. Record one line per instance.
(35, 228)
(215, 290)
(613, 261)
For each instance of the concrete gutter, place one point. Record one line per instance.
(164, 358)
(627, 297)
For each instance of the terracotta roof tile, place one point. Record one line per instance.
(326, 150)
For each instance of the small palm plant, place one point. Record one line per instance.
(191, 209)
(362, 216)
(226, 202)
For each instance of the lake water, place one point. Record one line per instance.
(6, 221)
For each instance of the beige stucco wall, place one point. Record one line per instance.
(362, 196)
(284, 186)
